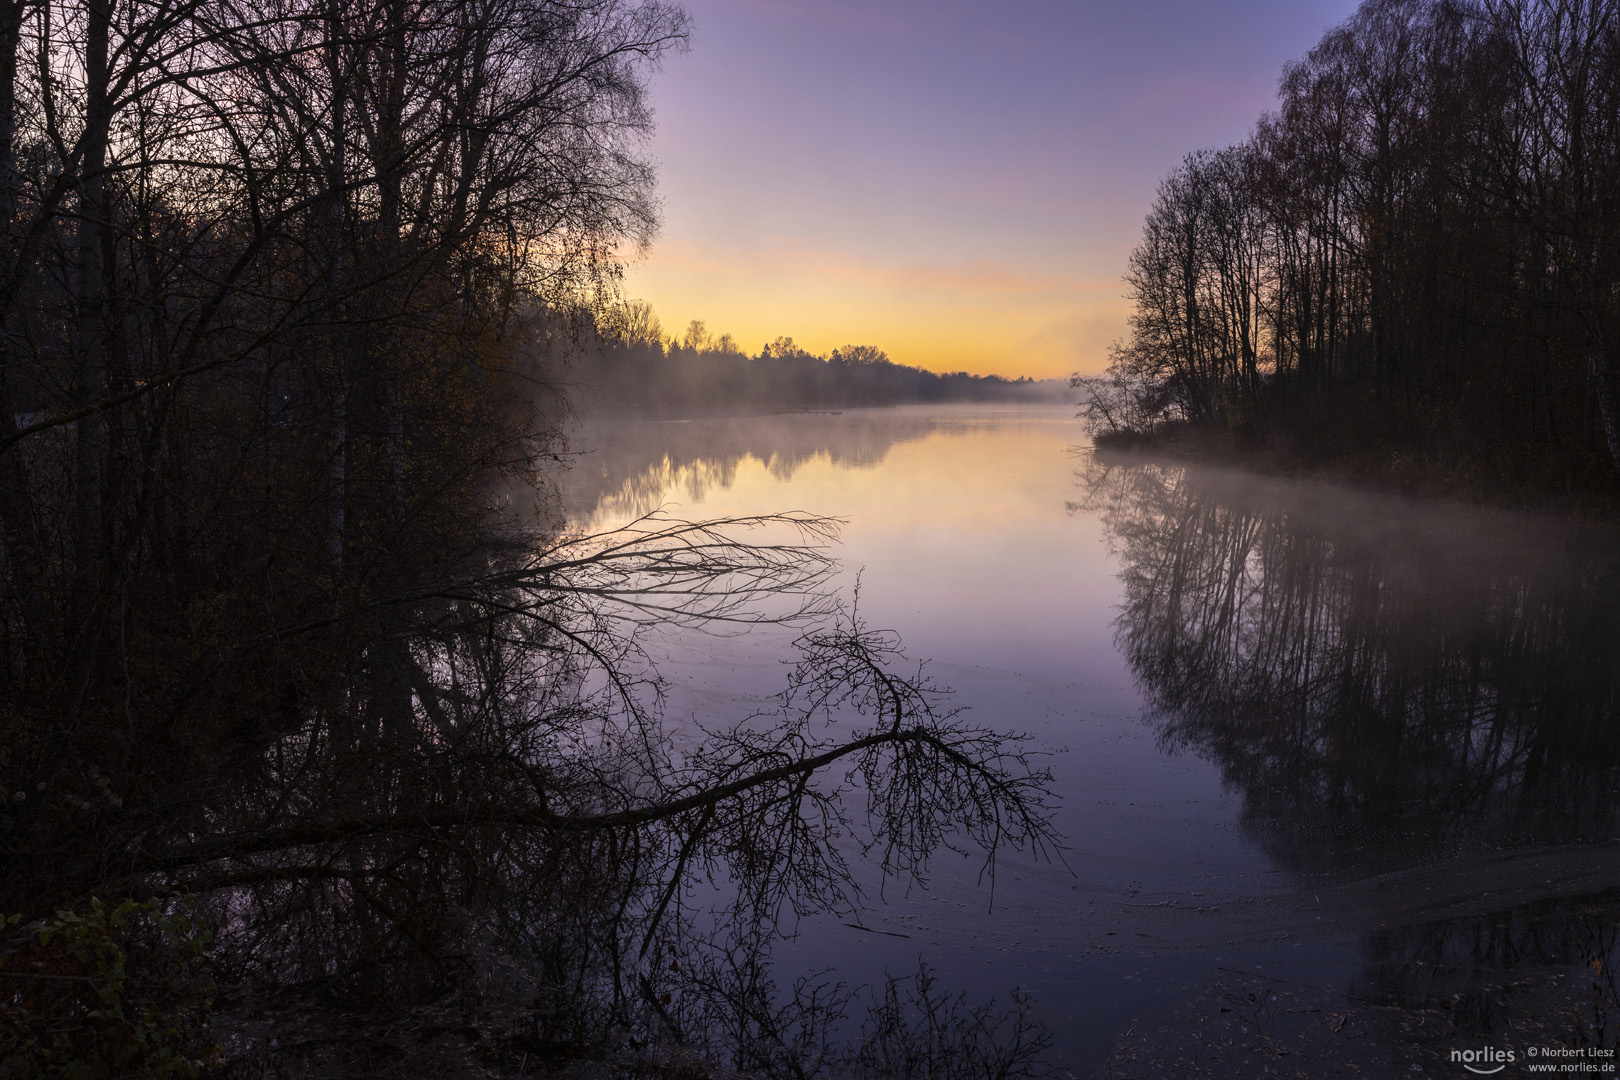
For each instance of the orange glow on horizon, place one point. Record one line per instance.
(982, 318)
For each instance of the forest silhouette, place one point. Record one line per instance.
(1413, 261)
(629, 364)
(324, 748)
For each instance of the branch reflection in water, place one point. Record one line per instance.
(1417, 706)
(1366, 678)
(481, 830)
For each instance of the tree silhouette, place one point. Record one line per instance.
(1414, 254)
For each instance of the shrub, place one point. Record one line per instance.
(119, 991)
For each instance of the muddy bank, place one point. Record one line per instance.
(1511, 950)
(1251, 1025)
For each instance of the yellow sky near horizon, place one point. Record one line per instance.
(982, 317)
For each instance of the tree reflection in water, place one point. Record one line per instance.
(1369, 673)
(1476, 964)
(1388, 684)
(636, 464)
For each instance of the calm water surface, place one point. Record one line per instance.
(1327, 738)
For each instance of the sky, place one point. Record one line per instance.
(957, 183)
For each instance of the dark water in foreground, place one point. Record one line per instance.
(1323, 738)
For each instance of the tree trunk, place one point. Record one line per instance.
(92, 314)
(337, 472)
(1603, 381)
(17, 525)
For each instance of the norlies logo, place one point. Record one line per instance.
(1484, 1062)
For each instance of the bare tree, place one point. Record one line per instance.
(1427, 221)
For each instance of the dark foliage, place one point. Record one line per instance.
(290, 637)
(1416, 256)
(632, 368)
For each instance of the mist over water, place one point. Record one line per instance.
(1333, 738)
(1377, 678)
(626, 467)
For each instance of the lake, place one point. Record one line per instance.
(1345, 746)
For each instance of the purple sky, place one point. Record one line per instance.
(957, 183)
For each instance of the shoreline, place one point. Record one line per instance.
(1375, 469)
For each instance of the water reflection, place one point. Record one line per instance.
(1373, 681)
(635, 464)
(1370, 674)
(1472, 965)
(1529, 975)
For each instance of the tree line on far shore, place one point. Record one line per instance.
(1417, 254)
(632, 365)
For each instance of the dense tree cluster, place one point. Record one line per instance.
(1420, 248)
(633, 366)
(285, 627)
